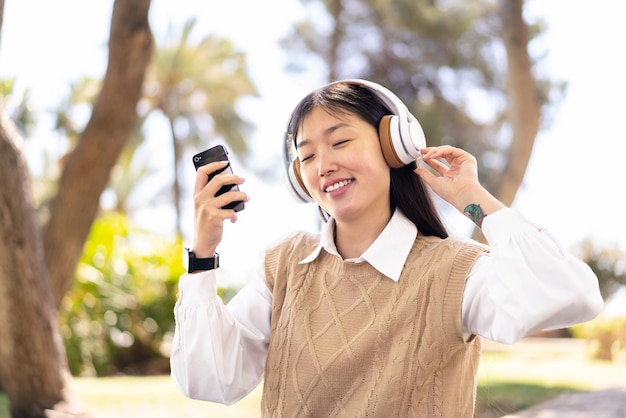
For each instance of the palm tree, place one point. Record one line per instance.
(196, 87)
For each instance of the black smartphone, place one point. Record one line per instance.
(218, 153)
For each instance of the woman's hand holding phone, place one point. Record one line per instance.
(216, 198)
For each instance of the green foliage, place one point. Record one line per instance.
(608, 263)
(17, 106)
(196, 84)
(73, 110)
(4, 406)
(502, 398)
(119, 314)
(445, 60)
(606, 336)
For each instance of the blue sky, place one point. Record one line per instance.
(573, 187)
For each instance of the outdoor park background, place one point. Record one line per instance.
(573, 185)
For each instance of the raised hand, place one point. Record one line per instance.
(455, 179)
(209, 215)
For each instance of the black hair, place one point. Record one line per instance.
(407, 190)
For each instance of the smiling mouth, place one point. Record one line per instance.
(338, 185)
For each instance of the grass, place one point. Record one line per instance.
(513, 378)
(503, 398)
(510, 379)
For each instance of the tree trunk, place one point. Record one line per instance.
(524, 109)
(36, 272)
(88, 166)
(177, 187)
(33, 368)
(524, 106)
(335, 7)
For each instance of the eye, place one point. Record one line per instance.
(340, 143)
(305, 158)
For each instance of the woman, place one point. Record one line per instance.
(382, 313)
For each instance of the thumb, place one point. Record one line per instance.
(427, 176)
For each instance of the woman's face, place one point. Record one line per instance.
(342, 166)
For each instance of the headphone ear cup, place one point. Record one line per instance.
(386, 134)
(295, 185)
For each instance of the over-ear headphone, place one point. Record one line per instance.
(400, 134)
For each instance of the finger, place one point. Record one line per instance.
(445, 152)
(202, 175)
(451, 155)
(427, 176)
(225, 179)
(217, 183)
(210, 216)
(437, 165)
(433, 152)
(206, 201)
(230, 197)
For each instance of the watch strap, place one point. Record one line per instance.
(197, 264)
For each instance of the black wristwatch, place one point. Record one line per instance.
(196, 264)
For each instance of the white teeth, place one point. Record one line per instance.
(336, 186)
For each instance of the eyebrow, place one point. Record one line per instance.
(328, 131)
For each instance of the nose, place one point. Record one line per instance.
(326, 164)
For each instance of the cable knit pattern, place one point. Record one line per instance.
(348, 342)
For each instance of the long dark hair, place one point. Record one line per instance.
(407, 191)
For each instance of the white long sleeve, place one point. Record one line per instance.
(527, 283)
(218, 352)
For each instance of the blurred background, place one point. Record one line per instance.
(231, 72)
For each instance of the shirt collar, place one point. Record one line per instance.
(388, 252)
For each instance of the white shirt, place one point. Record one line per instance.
(526, 283)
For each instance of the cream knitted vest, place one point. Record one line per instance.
(347, 341)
